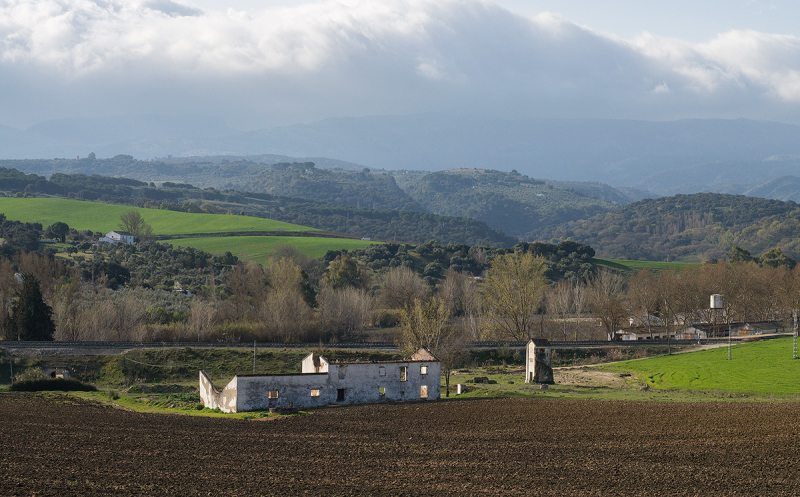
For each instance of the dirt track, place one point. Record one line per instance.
(53, 445)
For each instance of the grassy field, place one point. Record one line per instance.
(626, 265)
(763, 368)
(259, 248)
(97, 216)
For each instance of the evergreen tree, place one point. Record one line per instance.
(30, 317)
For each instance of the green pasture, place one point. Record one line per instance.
(102, 217)
(259, 248)
(764, 368)
(626, 265)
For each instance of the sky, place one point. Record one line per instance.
(266, 63)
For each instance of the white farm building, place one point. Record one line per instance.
(118, 237)
(324, 382)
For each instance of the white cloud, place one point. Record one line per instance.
(313, 60)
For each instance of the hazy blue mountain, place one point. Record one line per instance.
(659, 157)
(723, 176)
(783, 188)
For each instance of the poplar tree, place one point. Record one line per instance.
(30, 318)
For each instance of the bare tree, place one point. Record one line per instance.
(513, 292)
(285, 311)
(559, 303)
(351, 308)
(643, 295)
(427, 324)
(579, 301)
(133, 223)
(400, 287)
(201, 317)
(607, 300)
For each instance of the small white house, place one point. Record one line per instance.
(118, 237)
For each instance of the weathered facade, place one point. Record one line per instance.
(324, 383)
(538, 362)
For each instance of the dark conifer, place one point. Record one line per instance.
(30, 317)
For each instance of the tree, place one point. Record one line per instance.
(342, 272)
(513, 292)
(60, 230)
(30, 317)
(643, 294)
(776, 257)
(133, 223)
(607, 300)
(559, 302)
(427, 324)
(400, 287)
(738, 254)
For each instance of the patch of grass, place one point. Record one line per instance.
(102, 217)
(259, 248)
(764, 368)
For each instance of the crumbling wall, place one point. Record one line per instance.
(226, 400)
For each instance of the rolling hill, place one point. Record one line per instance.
(690, 228)
(102, 217)
(514, 203)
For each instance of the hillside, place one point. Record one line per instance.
(342, 187)
(693, 228)
(514, 203)
(102, 217)
(383, 224)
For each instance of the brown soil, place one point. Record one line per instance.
(57, 445)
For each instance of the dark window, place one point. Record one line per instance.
(340, 395)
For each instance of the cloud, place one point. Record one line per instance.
(314, 60)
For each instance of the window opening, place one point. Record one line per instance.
(340, 394)
(382, 391)
(382, 371)
(315, 392)
(423, 392)
(272, 394)
(423, 370)
(403, 373)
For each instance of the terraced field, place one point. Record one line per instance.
(57, 445)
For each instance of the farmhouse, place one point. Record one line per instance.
(324, 382)
(118, 237)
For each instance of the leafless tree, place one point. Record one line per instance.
(512, 294)
(351, 308)
(133, 223)
(559, 303)
(607, 300)
(643, 295)
(400, 287)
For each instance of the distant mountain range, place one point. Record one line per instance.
(686, 156)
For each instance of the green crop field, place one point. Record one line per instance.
(102, 217)
(259, 248)
(760, 368)
(627, 265)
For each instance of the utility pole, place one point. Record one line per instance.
(794, 327)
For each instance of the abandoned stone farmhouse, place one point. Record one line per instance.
(324, 382)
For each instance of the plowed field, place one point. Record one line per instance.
(55, 445)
